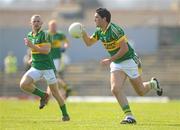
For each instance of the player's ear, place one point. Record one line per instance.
(104, 19)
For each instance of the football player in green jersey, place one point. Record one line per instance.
(59, 43)
(123, 61)
(42, 66)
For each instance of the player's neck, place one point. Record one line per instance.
(104, 27)
(35, 31)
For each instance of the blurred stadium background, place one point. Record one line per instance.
(152, 26)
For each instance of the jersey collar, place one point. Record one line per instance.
(106, 28)
(51, 33)
(37, 32)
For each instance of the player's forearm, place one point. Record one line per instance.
(87, 39)
(30, 61)
(44, 50)
(122, 51)
(66, 44)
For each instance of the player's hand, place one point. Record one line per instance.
(30, 61)
(83, 30)
(106, 62)
(66, 45)
(28, 43)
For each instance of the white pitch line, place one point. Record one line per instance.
(112, 99)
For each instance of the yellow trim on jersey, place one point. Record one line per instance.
(113, 45)
(40, 45)
(106, 28)
(123, 38)
(94, 38)
(43, 44)
(56, 44)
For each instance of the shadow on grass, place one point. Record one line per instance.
(33, 121)
(53, 120)
(160, 124)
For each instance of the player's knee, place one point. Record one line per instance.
(115, 89)
(26, 82)
(24, 85)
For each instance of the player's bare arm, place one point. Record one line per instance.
(87, 39)
(43, 49)
(120, 53)
(30, 61)
(66, 45)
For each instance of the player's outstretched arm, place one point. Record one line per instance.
(87, 39)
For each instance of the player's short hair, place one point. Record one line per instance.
(103, 12)
(52, 22)
(35, 15)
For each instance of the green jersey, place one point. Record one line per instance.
(111, 39)
(39, 60)
(57, 41)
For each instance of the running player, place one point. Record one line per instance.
(59, 43)
(42, 66)
(123, 61)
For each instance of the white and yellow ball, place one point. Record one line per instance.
(75, 30)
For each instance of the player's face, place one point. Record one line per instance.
(99, 21)
(36, 23)
(53, 27)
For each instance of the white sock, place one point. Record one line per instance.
(131, 116)
(153, 84)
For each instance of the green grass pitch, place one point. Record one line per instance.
(25, 115)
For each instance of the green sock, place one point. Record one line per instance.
(39, 92)
(63, 110)
(126, 109)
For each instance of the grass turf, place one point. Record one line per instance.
(25, 115)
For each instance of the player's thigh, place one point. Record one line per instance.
(25, 81)
(137, 84)
(50, 77)
(54, 88)
(31, 76)
(118, 78)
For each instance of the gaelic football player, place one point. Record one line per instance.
(42, 66)
(59, 43)
(123, 61)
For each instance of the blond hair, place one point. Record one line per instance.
(53, 21)
(35, 15)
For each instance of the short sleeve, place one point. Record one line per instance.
(95, 35)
